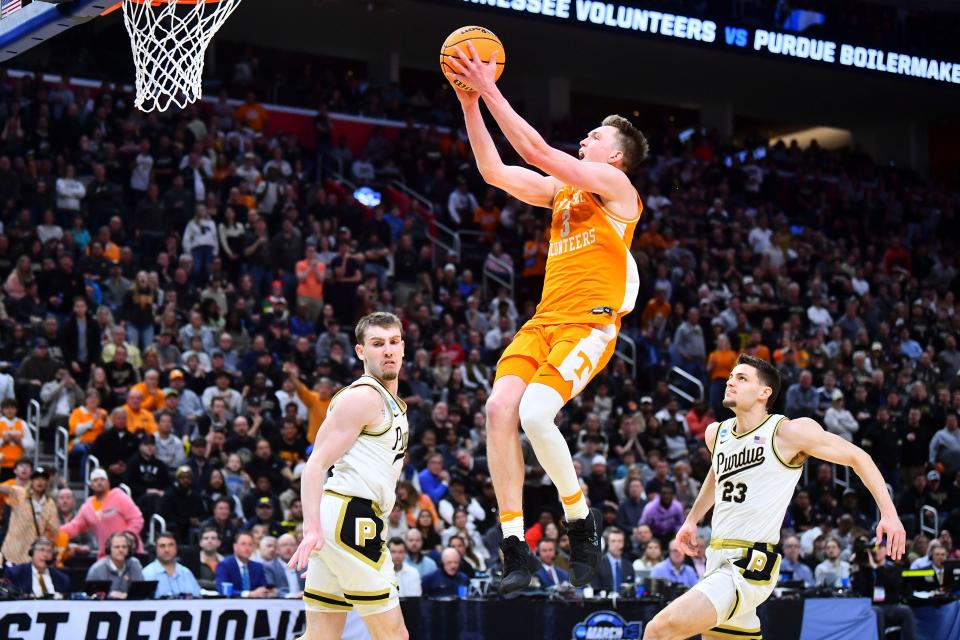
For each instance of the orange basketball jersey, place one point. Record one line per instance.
(591, 276)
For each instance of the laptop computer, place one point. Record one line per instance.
(96, 587)
(142, 590)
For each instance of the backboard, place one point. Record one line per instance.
(25, 23)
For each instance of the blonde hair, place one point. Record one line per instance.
(632, 141)
(381, 319)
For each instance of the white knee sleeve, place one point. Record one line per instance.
(539, 407)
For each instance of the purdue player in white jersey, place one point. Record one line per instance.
(757, 460)
(364, 438)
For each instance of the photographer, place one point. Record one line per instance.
(876, 577)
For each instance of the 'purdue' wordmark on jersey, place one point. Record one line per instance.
(731, 465)
(754, 486)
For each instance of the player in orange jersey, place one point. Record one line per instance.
(591, 283)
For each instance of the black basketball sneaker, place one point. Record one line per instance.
(584, 548)
(519, 565)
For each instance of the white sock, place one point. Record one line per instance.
(577, 509)
(539, 407)
(512, 527)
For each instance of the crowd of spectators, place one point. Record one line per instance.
(178, 292)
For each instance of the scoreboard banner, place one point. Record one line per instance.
(283, 619)
(218, 619)
(629, 18)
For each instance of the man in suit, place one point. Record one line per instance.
(547, 574)
(80, 340)
(38, 578)
(614, 569)
(290, 584)
(246, 576)
(273, 569)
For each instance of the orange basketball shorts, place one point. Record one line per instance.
(562, 356)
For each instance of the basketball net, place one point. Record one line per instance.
(169, 40)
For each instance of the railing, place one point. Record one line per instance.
(631, 357)
(33, 423)
(845, 482)
(446, 239)
(93, 462)
(339, 177)
(934, 531)
(61, 458)
(399, 185)
(689, 378)
(500, 279)
(152, 531)
(440, 235)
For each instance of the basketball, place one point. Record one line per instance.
(483, 40)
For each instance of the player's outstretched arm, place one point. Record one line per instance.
(597, 177)
(355, 409)
(806, 436)
(523, 184)
(687, 534)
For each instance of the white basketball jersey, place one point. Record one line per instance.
(371, 466)
(754, 486)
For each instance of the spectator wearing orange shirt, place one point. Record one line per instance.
(138, 418)
(251, 113)
(756, 348)
(86, 423)
(412, 502)
(316, 401)
(800, 355)
(153, 397)
(111, 250)
(720, 363)
(534, 262)
(652, 241)
(486, 217)
(15, 438)
(311, 273)
(657, 309)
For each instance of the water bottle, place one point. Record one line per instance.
(845, 582)
(639, 590)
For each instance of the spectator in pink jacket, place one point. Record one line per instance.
(105, 512)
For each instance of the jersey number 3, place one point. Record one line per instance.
(734, 492)
(565, 220)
